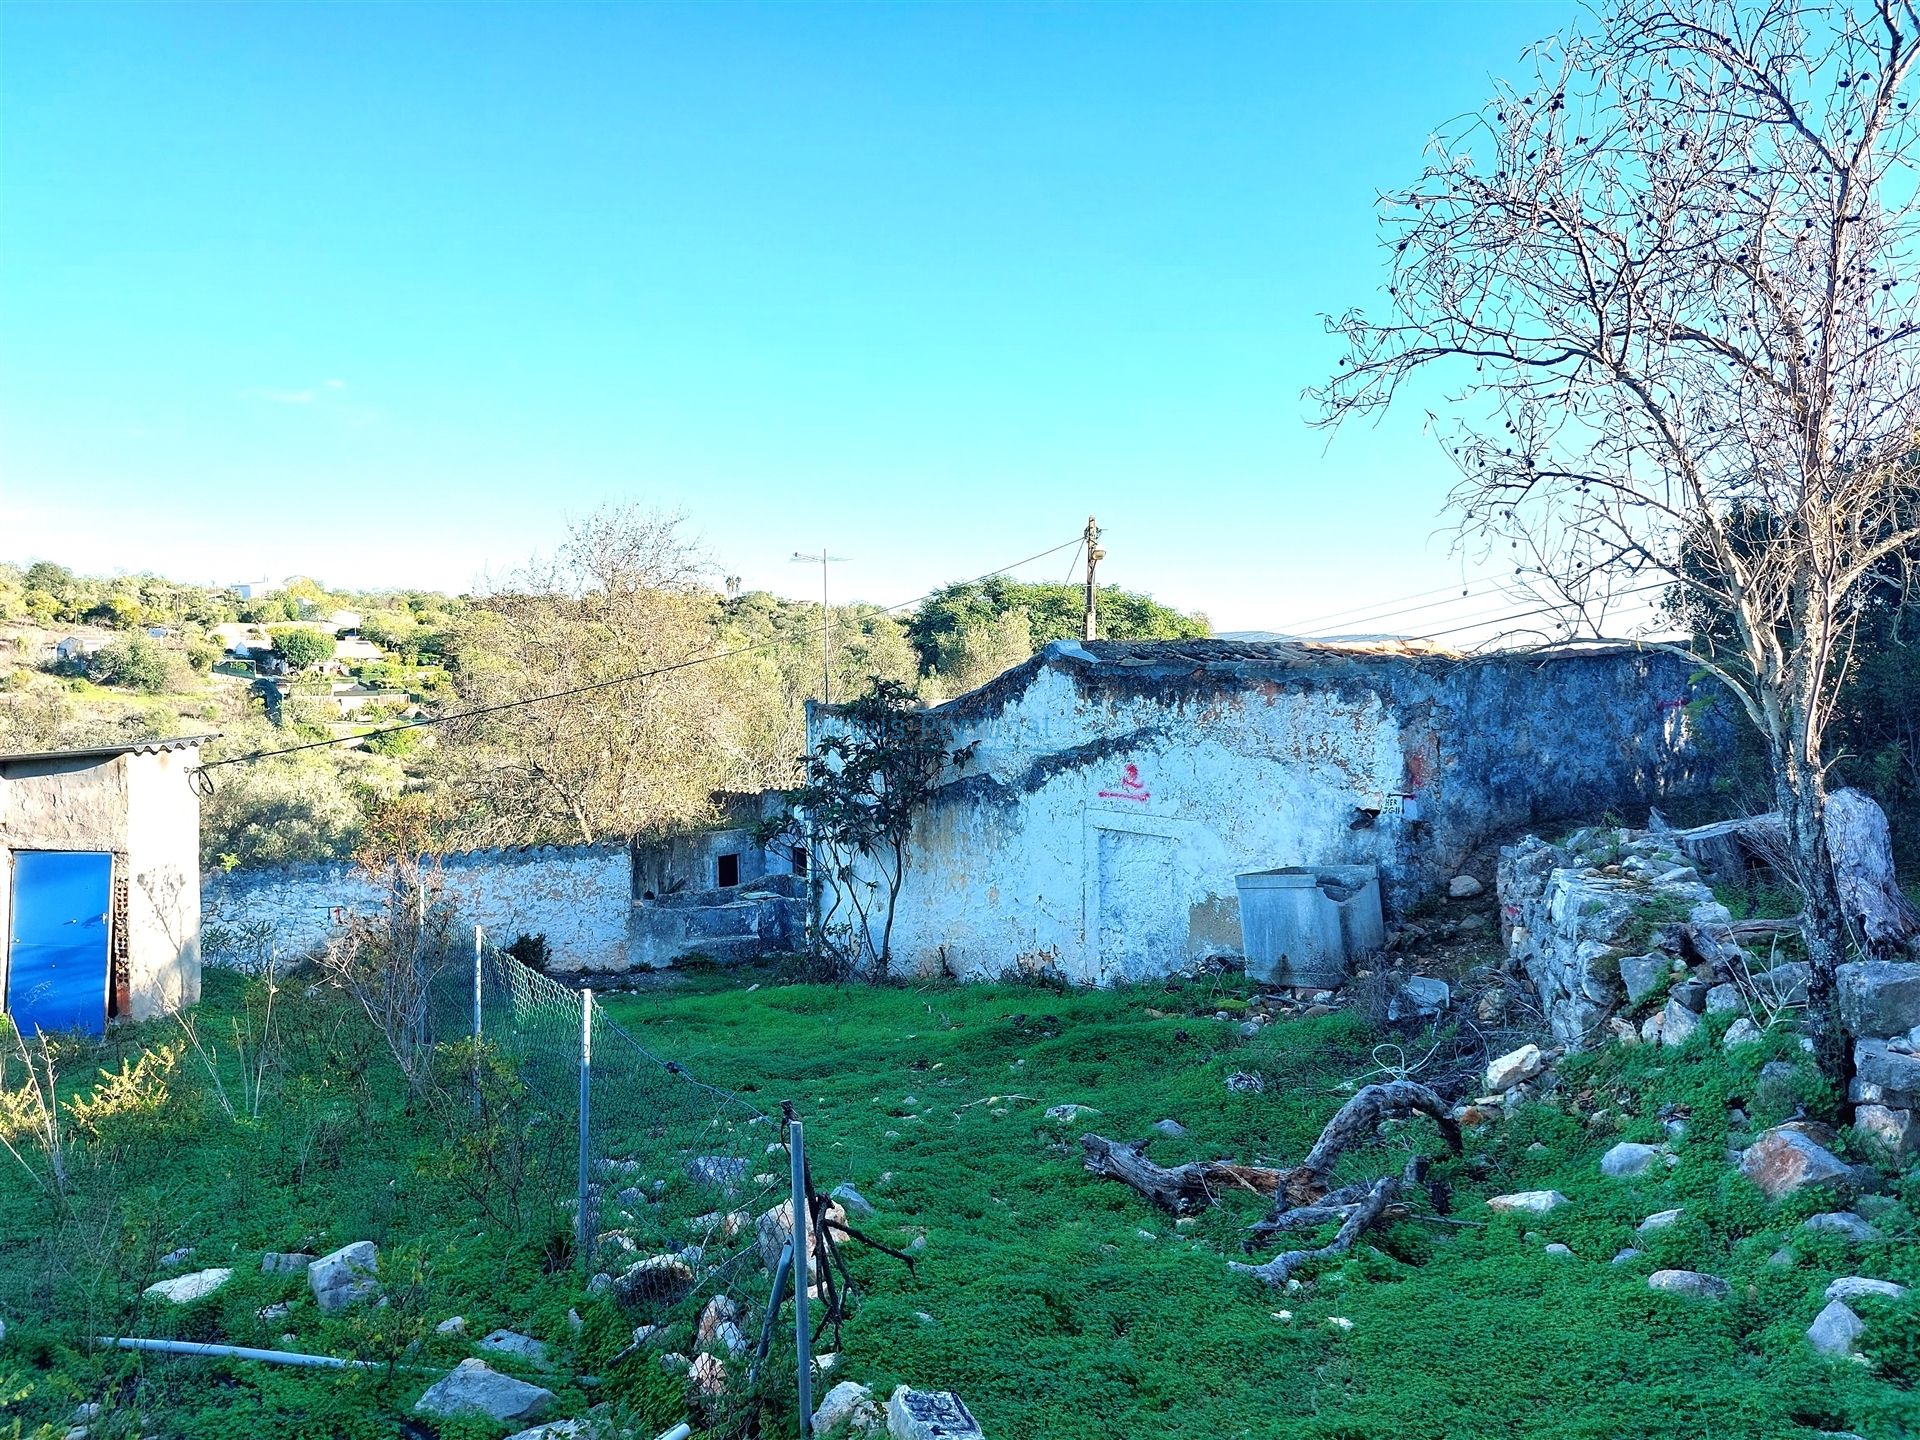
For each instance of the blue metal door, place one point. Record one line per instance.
(57, 960)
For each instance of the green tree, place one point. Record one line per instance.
(951, 621)
(300, 647)
(135, 663)
(119, 611)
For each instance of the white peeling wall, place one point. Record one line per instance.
(578, 897)
(163, 883)
(1101, 835)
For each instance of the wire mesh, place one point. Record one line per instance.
(678, 1171)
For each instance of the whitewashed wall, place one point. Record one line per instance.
(579, 897)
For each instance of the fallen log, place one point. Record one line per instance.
(1181, 1190)
(1375, 1205)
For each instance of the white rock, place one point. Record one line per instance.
(1628, 1159)
(1528, 1202)
(1842, 1222)
(520, 1347)
(452, 1325)
(1659, 1220)
(558, 1430)
(1558, 1249)
(1677, 1024)
(274, 1312)
(1514, 1067)
(474, 1388)
(1066, 1114)
(1835, 1329)
(1689, 1282)
(1742, 1032)
(1852, 1287)
(930, 1415)
(1464, 887)
(194, 1285)
(345, 1277)
(851, 1406)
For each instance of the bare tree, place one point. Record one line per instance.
(1674, 270)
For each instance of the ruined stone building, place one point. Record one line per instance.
(1111, 791)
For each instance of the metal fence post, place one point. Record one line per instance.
(802, 1243)
(479, 942)
(584, 1228)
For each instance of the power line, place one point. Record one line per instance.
(199, 771)
(1339, 616)
(1524, 614)
(1493, 588)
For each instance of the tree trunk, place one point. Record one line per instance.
(1802, 796)
(1861, 848)
(1182, 1190)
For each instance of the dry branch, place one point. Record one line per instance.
(1181, 1190)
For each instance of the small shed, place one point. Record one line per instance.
(99, 884)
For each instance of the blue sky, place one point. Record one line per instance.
(384, 294)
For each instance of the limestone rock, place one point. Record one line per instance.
(1642, 975)
(708, 1372)
(1464, 887)
(1879, 997)
(1689, 1282)
(520, 1347)
(1892, 1130)
(720, 1310)
(1556, 1248)
(1725, 1000)
(1784, 1160)
(848, 1409)
(1515, 1067)
(1420, 997)
(452, 1325)
(1677, 1024)
(774, 1229)
(723, 1172)
(560, 1430)
(1628, 1159)
(195, 1285)
(930, 1415)
(1892, 1070)
(656, 1282)
(1624, 1256)
(1844, 1223)
(1852, 1287)
(1528, 1202)
(1171, 1129)
(853, 1200)
(346, 1277)
(1659, 1220)
(1240, 1082)
(1067, 1114)
(474, 1388)
(1742, 1032)
(1835, 1329)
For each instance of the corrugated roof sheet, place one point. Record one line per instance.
(108, 752)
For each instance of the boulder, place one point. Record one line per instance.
(1852, 1287)
(1628, 1159)
(1171, 1129)
(1464, 887)
(1891, 1070)
(720, 1310)
(1642, 975)
(474, 1388)
(195, 1285)
(1843, 1223)
(1835, 1329)
(1420, 997)
(281, 1263)
(561, 1430)
(1689, 1282)
(1742, 1032)
(1879, 997)
(656, 1282)
(1556, 1248)
(1725, 1000)
(1677, 1024)
(1783, 1161)
(709, 1373)
(520, 1347)
(346, 1277)
(1067, 1114)
(848, 1409)
(930, 1415)
(775, 1227)
(1528, 1202)
(1624, 1256)
(452, 1325)
(1515, 1067)
(1892, 1130)
(1659, 1220)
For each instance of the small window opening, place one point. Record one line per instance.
(800, 861)
(729, 871)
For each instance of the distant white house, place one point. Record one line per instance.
(351, 648)
(255, 589)
(341, 621)
(76, 647)
(240, 639)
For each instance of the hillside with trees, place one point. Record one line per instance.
(664, 686)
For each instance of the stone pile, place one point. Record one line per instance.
(1880, 1004)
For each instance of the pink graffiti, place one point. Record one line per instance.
(1130, 787)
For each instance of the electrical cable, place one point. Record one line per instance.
(204, 785)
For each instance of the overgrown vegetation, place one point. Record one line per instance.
(1058, 1304)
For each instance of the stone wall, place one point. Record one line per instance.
(1880, 1003)
(740, 923)
(579, 897)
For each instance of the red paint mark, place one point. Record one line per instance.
(1416, 771)
(1130, 787)
(1671, 705)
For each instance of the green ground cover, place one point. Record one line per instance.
(1059, 1305)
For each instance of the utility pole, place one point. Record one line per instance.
(1094, 556)
(823, 560)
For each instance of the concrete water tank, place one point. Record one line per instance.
(1304, 925)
